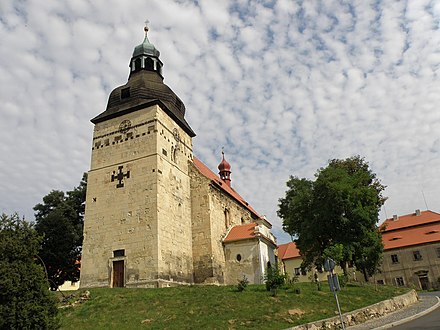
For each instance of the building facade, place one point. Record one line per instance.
(411, 253)
(411, 250)
(155, 214)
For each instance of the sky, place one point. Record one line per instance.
(284, 86)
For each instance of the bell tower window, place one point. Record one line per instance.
(149, 64)
(137, 64)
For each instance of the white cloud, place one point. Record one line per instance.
(284, 89)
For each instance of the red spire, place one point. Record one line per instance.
(225, 170)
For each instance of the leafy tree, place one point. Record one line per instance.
(25, 301)
(59, 219)
(336, 213)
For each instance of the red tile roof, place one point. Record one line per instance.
(222, 185)
(410, 220)
(288, 251)
(241, 232)
(411, 236)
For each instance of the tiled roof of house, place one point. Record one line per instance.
(241, 232)
(409, 236)
(222, 185)
(288, 251)
(410, 220)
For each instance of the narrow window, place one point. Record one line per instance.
(394, 259)
(297, 271)
(227, 222)
(137, 64)
(149, 64)
(417, 256)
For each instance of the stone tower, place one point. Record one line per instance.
(137, 230)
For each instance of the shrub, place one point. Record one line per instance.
(274, 279)
(242, 284)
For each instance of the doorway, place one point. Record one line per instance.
(118, 274)
(424, 282)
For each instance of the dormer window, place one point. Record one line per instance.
(125, 93)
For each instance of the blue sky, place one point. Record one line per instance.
(284, 86)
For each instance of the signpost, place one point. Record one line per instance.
(333, 282)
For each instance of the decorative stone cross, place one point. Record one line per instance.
(120, 176)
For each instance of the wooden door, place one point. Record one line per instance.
(424, 282)
(118, 274)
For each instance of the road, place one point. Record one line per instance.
(429, 321)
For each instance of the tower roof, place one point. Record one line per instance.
(146, 47)
(224, 165)
(144, 88)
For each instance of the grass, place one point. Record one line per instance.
(212, 307)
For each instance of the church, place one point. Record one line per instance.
(156, 216)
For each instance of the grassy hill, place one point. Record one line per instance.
(211, 307)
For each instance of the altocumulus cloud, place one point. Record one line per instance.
(284, 86)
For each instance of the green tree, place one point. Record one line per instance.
(336, 213)
(59, 219)
(25, 301)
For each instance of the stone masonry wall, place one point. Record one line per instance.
(129, 176)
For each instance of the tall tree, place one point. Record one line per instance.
(59, 219)
(339, 208)
(25, 301)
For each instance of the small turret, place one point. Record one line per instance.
(225, 170)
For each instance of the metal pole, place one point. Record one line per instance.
(339, 310)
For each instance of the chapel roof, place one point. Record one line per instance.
(241, 232)
(288, 251)
(205, 171)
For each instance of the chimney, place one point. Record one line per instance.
(417, 212)
(395, 217)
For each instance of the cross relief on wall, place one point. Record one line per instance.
(120, 176)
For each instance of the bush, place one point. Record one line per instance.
(242, 284)
(274, 279)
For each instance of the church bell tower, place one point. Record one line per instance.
(137, 229)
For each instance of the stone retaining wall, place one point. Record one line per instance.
(363, 314)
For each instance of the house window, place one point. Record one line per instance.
(399, 281)
(297, 271)
(417, 256)
(304, 272)
(380, 282)
(394, 259)
(438, 252)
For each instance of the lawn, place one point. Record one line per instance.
(212, 307)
